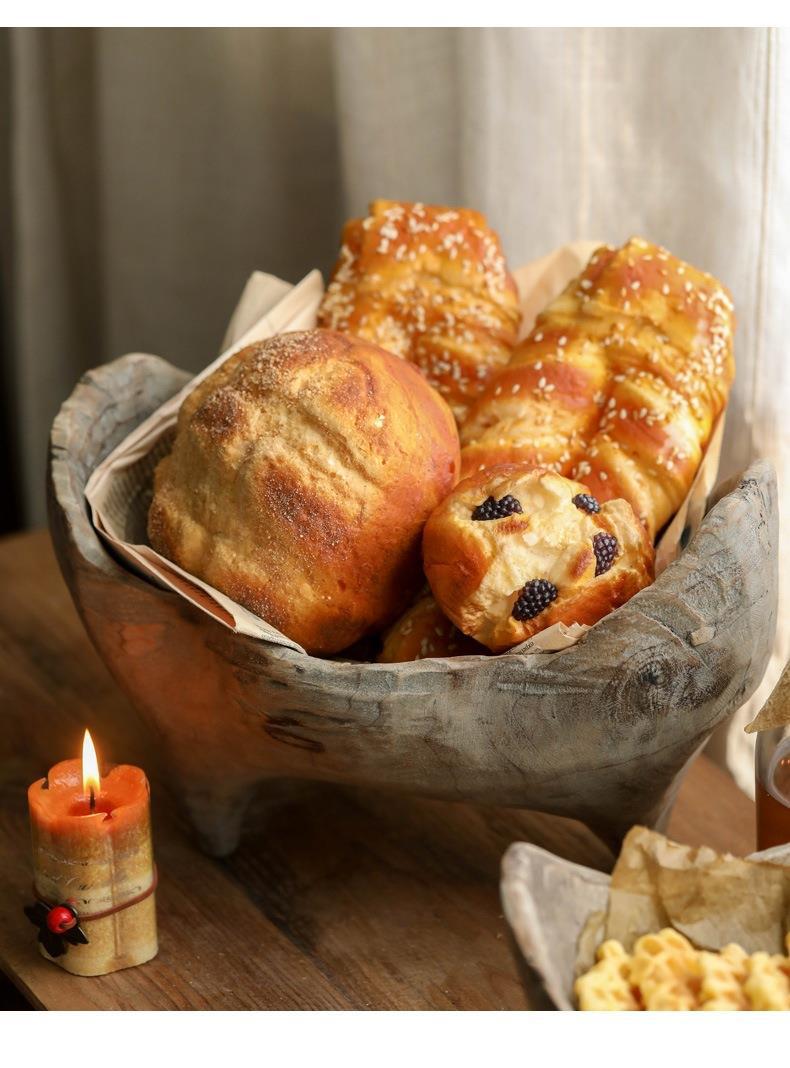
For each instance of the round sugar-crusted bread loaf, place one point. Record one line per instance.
(514, 549)
(302, 473)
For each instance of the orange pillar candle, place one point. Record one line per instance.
(93, 865)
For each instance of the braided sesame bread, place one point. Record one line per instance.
(431, 285)
(619, 383)
(302, 473)
(425, 631)
(515, 549)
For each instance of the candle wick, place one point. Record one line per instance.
(92, 799)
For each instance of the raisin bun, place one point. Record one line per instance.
(424, 631)
(514, 549)
(301, 476)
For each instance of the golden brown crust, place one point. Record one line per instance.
(302, 473)
(477, 568)
(425, 631)
(431, 285)
(618, 384)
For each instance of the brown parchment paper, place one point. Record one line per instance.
(776, 710)
(711, 898)
(118, 492)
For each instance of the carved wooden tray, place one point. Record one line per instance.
(600, 732)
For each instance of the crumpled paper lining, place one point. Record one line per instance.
(711, 898)
(119, 491)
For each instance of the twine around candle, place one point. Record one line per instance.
(84, 918)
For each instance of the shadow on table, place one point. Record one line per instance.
(10, 998)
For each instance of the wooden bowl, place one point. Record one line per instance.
(547, 902)
(600, 732)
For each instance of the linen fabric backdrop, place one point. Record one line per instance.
(145, 173)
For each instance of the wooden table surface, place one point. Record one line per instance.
(336, 898)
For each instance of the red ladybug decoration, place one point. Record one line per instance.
(61, 919)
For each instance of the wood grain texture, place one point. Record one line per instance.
(336, 897)
(599, 732)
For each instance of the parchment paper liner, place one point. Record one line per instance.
(776, 710)
(560, 912)
(119, 490)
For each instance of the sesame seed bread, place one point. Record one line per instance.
(431, 285)
(553, 561)
(302, 473)
(425, 631)
(619, 383)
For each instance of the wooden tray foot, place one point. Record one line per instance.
(217, 816)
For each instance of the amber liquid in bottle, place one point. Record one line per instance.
(773, 804)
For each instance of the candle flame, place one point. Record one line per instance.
(91, 780)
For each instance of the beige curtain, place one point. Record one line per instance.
(150, 170)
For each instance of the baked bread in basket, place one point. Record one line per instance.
(514, 549)
(430, 284)
(619, 383)
(301, 475)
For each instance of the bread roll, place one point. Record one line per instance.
(515, 549)
(619, 383)
(301, 476)
(425, 631)
(431, 285)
